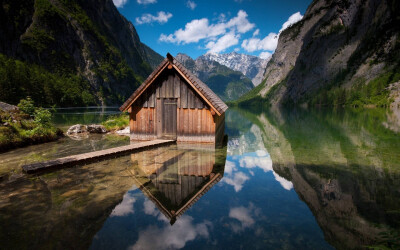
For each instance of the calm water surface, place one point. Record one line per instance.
(298, 179)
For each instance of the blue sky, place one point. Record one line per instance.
(197, 27)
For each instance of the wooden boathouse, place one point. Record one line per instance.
(174, 104)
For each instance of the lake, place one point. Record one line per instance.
(291, 179)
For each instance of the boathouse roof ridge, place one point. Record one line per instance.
(200, 86)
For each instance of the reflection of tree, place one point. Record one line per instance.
(343, 164)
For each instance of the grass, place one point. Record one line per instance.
(18, 129)
(116, 122)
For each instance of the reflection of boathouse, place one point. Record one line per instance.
(175, 178)
(174, 104)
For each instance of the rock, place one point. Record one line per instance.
(125, 131)
(98, 129)
(77, 129)
(7, 107)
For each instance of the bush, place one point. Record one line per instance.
(27, 106)
(43, 117)
(29, 125)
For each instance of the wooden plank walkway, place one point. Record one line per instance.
(93, 156)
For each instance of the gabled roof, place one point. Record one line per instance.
(200, 87)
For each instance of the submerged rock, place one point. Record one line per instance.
(77, 129)
(94, 128)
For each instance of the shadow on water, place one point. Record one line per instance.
(344, 164)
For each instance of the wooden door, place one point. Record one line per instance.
(169, 118)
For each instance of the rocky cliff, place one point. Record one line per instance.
(226, 83)
(87, 40)
(251, 66)
(343, 52)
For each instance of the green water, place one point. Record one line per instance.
(292, 179)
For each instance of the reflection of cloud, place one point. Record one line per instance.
(150, 208)
(242, 214)
(237, 181)
(262, 160)
(175, 236)
(229, 167)
(125, 207)
(284, 183)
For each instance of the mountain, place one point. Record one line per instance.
(228, 84)
(70, 53)
(251, 66)
(343, 52)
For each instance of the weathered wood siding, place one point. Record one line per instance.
(194, 121)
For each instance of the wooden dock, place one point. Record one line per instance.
(93, 156)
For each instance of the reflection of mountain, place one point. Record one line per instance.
(247, 148)
(345, 170)
(175, 178)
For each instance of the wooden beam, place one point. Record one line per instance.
(148, 84)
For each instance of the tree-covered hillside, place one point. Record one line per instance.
(70, 53)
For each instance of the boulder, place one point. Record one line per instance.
(77, 129)
(98, 129)
(125, 131)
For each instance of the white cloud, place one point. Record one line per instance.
(125, 207)
(240, 22)
(271, 40)
(146, 1)
(265, 55)
(268, 43)
(222, 18)
(162, 17)
(256, 32)
(172, 237)
(120, 3)
(199, 29)
(223, 43)
(292, 19)
(191, 5)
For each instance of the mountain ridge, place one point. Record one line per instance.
(225, 82)
(343, 52)
(251, 66)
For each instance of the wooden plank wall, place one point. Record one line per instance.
(220, 129)
(143, 123)
(195, 122)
